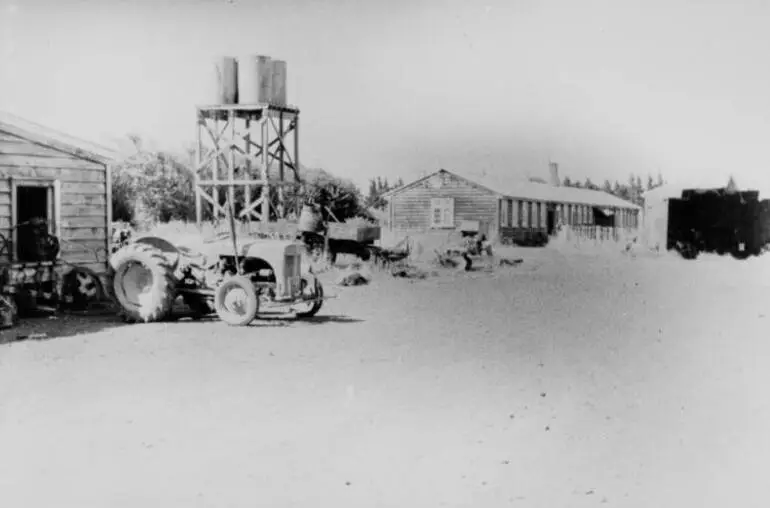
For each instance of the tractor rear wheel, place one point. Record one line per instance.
(143, 283)
(236, 301)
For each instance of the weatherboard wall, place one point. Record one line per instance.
(82, 210)
(410, 208)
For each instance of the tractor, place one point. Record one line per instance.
(235, 282)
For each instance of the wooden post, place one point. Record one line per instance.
(297, 175)
(265, 170)
(249, 172)
(215, 179)
(231, 163)
(281, 160)
(198, 169)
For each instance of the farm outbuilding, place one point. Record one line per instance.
(511, 212)
(55, 182)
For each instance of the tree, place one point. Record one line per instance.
(619, 191)
(567, 182)
(607, 187)
(336, 195)
(151, 187)
(650, 183)
(377, 186)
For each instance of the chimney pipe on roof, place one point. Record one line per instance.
(553, 168)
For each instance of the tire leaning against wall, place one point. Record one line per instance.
(158, 302)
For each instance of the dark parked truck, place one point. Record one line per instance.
(717, 221)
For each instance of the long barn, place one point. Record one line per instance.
(511, 212)
(48, 176)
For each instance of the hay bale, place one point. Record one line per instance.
(353, 279)
(409, 272)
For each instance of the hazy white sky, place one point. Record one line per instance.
(398, 87)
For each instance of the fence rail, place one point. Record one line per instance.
(600, 233)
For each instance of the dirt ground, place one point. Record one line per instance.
(567, 381)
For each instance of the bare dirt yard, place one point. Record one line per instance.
(567, 381)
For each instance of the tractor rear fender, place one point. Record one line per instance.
(168, 249)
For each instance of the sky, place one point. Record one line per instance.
(401, 88)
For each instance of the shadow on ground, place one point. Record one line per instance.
(59, 325)
(277, 320)
(70, 324)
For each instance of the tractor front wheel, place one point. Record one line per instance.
(236, 301)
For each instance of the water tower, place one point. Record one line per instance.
(247, 143)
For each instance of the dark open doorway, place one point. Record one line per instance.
(32, 216)
(551, 220)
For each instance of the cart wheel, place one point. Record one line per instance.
(236, 301)
(314, 306)
(81, 288)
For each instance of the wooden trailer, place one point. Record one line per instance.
(65, 183)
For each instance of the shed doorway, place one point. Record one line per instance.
(32, 203)
(34, 216)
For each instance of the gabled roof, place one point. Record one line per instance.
(517, 188)
(39, 134)
(409, 185)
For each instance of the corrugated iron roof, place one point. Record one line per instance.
(518, 188)
(37, 133)
(523, 189)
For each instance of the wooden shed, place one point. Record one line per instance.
(514, 211)
(46, 175)
(441, 200)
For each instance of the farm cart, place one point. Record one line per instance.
(150, 273)
(328, 239)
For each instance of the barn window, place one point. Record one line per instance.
(442, 212)
(34, 203)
